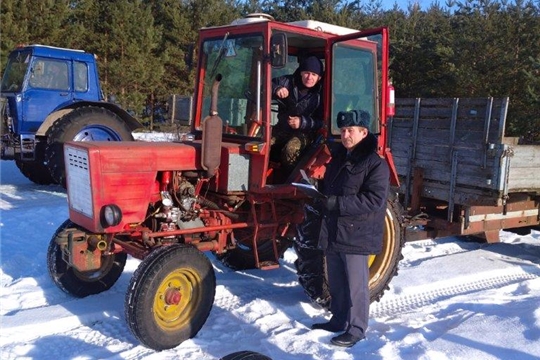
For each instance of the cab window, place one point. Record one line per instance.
(81, 76)
(353, 82)
(239, 61)
(49, 74)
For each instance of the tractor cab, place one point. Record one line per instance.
(245, 56)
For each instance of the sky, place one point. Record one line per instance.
(452, 299)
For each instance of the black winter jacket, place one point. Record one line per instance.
(361, 184)
(307, 107)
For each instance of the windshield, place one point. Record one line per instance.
(239, 61)
(13, 78)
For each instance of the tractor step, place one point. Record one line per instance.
(268, 265)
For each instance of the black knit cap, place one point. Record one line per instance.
(312, 64)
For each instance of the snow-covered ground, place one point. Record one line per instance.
(453, 299)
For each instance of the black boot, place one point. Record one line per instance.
(346, 339)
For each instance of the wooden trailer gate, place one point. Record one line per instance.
(459, 174)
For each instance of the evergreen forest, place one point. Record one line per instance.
(457, 48)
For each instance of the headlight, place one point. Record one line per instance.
(111, 215)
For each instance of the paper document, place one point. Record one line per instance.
(304, 176)
(309, 190)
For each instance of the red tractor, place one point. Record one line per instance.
(216, 190)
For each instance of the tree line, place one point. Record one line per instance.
(464, 48)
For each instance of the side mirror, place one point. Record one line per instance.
(278, 50)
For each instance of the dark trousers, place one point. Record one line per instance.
(348, 278)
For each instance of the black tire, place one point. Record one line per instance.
(310, 262)
(77, 283)
(174, 273)
(88, 123)
(382, 267)
(242, 257)
(245, 355)
(36, 171)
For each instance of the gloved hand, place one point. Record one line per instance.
(330, 203)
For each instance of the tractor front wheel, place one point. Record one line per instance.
(82, 283)
(170, 296)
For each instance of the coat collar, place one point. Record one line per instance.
(365, 147)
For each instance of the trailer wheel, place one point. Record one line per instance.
(77, 283)
(88, 123)
(311, 268)
(242, 257)
(36, 171)
(170, 296)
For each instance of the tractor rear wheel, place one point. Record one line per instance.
(84, 124)
(310, 263)
(384, 266)
(243, 258)
(170, 296)
(82, 283)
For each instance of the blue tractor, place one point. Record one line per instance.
(51, 95)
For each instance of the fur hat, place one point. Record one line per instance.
(353, 118)
(312, 64)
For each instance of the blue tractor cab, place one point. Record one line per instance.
(51, 95)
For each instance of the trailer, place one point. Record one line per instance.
(458, 172)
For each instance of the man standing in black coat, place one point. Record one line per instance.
(356, 185)
(299, 111)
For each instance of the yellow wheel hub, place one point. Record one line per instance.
(175, 298)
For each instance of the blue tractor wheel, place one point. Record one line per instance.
(88, 123)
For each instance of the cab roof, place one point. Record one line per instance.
(56, 52)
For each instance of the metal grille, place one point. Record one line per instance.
(78, 180)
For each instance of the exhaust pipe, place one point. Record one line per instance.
(212, 129)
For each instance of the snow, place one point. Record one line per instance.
(452, 299)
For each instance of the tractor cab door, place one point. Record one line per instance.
(355, 78)
(47, 87)
(358, 77)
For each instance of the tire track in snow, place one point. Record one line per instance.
(390, 306)
(412, 302)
